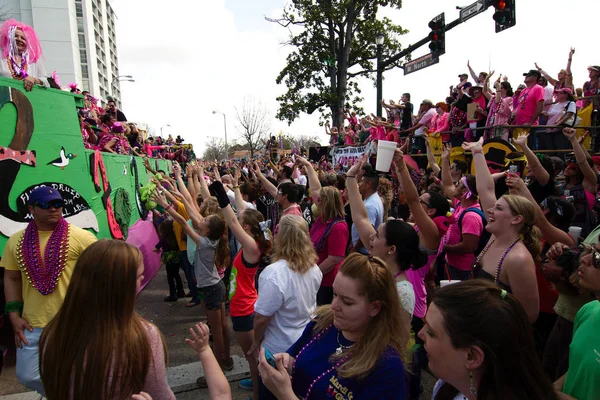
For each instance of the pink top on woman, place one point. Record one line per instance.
(440, 123)
(349, 139)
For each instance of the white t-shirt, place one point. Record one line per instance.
(301, 180)
(426, 121)
(290, 298)
(407, 296)
(556, 111)
(374, 208)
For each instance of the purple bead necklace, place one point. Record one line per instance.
(43, 274)
(499, 267)
(328, 371)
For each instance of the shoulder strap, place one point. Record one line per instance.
(471, 209)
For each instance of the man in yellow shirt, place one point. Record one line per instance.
(39, 262)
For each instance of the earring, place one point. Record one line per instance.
(472, 388)
(389, 252)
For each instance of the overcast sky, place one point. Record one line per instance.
(191, 57)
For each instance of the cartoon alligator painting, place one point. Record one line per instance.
(37, 126)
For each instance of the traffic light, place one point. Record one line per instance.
(504, 14)
(438, 35)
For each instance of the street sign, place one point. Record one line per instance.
(469, 12)
(420, 63)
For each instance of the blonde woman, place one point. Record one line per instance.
(329, 233)
(508, 258)
(352, 347)
(288, 291)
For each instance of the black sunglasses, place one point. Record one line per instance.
(45, 206)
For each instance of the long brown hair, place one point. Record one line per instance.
(332, 205)
(530, 234)
(476, 314)
(253, 218)
(390, 327)
(217, 230)
(97, 347)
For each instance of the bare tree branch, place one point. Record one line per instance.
(253, 123)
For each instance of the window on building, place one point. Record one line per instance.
(78, 8)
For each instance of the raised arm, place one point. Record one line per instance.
(549, 232)
(590, 180)
(251, 250)
(313, 180)
(569, 78)
(426, 225)
(159, 197)
(269, 187)
(240, 204)
(180, 183)
(485, 183)
(447, 183)
(473, 74)
(533, 162)
(430, 158)
(360, 217)
(550, 79)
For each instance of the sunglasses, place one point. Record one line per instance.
(595, 255)
(45, 206)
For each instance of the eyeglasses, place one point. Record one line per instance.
(453, 166)
(55, 204)
(426, 203)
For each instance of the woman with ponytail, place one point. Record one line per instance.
(508, 258)
(212, 250)
(254, 235)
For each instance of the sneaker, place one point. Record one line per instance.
(201, 382)
(170, 299)
(227, 365)
(246, 384)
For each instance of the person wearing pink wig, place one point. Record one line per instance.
(21, 53)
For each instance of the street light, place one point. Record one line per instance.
(225, 127)
(379, 38)
(161, 130)
(124, 78)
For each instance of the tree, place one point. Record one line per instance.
(305, 141)
(334, 44)
(253, 123)
(215, 150)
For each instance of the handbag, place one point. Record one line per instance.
(572, 121)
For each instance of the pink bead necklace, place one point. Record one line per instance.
(328, 371)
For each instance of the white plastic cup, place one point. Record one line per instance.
(385, 155)
(575, 232)
(444, 282)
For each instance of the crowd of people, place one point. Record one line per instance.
(490, 108)
(338, 283)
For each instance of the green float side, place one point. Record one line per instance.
(56, 125)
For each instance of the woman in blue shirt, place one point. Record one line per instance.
(353, 348)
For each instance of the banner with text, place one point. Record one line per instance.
(347, 156)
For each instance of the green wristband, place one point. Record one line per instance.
(13, 306)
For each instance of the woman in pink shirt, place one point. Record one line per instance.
(440, 122)
(499, 110)
(109, 352)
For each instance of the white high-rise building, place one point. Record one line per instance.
(78, 39)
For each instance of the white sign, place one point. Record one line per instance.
(347, 156)
(472, 10)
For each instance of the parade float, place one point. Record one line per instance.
(41, 144)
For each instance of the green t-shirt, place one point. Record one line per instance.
(583, 376)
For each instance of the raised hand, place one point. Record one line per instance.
(199, 341)
(521, 140)
(446, 150)
(357, 167)
(474, 147)
(569, 132)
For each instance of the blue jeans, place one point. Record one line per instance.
(28, 367)
(188, 269)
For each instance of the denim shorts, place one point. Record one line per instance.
(213, 295)
(243, 324)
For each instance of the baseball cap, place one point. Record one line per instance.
(461, 75)
(533, 72)
(44, 194)
(595, 67)
(565, 90)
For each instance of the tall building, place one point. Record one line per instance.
(78, 38)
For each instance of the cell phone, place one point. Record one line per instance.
(270, 358)
(514, 169)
